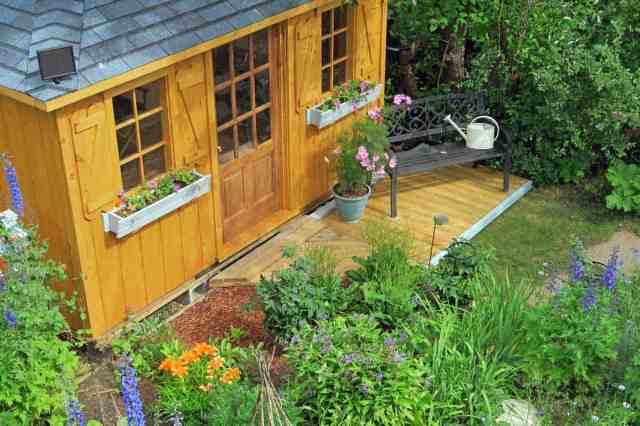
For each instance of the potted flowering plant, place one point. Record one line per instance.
(360, 156)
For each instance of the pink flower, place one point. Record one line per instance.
(364, 86)
(380, 171)
(337, 151)
(402, 100)
(153, 184)
(393, 163)
(376, 158)
(374, 114)
(177, 187)
(362, 154)
(121, 195)
(365, 163)
(336, 104)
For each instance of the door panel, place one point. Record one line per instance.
(248, 147)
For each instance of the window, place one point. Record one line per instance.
(242, 79)
(335, 46)
(140, 132)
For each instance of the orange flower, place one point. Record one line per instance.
(215, 363)
(177, 368)
(189, 357)
(168, 364)
(180, 370)
(230, 376)
(205, 349)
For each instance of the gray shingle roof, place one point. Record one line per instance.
(111, 37)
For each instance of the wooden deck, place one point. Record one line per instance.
(470, 198)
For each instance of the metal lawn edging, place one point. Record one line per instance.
(123, 226)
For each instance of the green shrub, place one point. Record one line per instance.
(625, 181)
(578, 331)
(143, 342)
(305, 292)
(37, 368)
(348, 371)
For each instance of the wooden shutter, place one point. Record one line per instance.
(96, 157)
(308, 76)
(190, 113)
(369, 28)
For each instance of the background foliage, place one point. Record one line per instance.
(563, 75)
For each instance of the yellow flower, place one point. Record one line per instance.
(205, 388)
(216, 362)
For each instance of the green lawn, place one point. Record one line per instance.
(541, 226)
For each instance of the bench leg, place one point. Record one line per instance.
(507, 173)
(394, 195)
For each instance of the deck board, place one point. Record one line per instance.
(469, 197)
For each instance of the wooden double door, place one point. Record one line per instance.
(247, 125)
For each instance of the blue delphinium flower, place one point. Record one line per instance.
(589, 299)
(75, 417)
(611, 271)
(350, 358)
(380, 377)
(14, 187)
(131, 393)
(10, 318)
(389, 341)
(3, 282)
(577, 267)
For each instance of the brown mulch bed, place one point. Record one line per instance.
(221, 310)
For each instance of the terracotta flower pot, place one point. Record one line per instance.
(351, 209)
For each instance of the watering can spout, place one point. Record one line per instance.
(455, 126)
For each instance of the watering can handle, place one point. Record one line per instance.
(492, 120)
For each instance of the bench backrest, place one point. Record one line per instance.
(425, 117)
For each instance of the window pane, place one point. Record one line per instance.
(340, 46)
(340, 17)
(127, 141)
(339, 74)
(245, 137)
(130, 174)
(326, 80)
(243, 96)
(149, 96)
(326, 23)
(154, 163)
(261, 48)
(262, 88)
(151, 130)
(241, 56)
(123, 107)
(224, 112)
(263, 126)
(221, 65)
(326, 51)
(225, 145)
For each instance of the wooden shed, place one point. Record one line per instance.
(217, 86)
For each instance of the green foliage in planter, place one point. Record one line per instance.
(349, 372)
(307, 291)
(154, 190)
(351, 91)
(37, 368)
(625, 181)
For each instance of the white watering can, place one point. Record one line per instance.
(478, 135)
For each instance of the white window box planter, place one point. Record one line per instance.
(321, 119)
(123, 226)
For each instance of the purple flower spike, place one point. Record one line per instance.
(577, 267)
(75, 417)
(10, 319)
(14, 187)
(131, 393)
(589, 299)
(611, 271)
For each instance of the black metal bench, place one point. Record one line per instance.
(428, 142)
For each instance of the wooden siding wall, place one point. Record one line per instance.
(123, 277)
(310, 175)
(30, 138)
